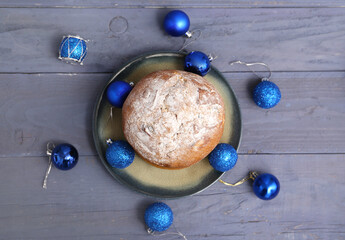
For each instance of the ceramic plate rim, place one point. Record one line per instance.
(96, 111)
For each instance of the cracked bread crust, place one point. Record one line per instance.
(173, 118)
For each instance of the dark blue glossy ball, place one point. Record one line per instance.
(158, 216)
(266, 186)
(176, 23)
(197, 62)
(266, 94)
(223, 157)
(72, 48)
(120, 154)
(117, 93)
(64, 156)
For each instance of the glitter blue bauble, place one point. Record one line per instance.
(197, 62)
(64, 156)
(176, 23)
(158, 216)
(266, 94)
(223, 157)
(117, 93)
(266, 186)
(72, 49)
(120, 154)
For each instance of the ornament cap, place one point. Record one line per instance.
(253, 175)
(188, 34)
(211, 57)
(109, 141)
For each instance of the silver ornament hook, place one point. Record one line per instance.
(211, 57)
(153, 233)
(191, 38)
(248, 65)
(50, 148)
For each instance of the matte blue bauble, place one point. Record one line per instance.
(266, 94)
(266, 186)
(223, 157)
(72, 49)
(64, 156)
(176, 23)
(158, 216)
(120, 154)
(197, 62)
(117, 93)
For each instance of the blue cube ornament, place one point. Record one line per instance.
(72, 49)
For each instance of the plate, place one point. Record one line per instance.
(140, 175)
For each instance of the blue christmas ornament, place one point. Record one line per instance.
(266, 94)
(117, 93)
(266, 186)
(119, 154)
(197, 62)
(72, 49)
(64, 156)
(176, 23)
(158, 216)
(223, 157)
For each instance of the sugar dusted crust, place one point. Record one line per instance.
(173, 119)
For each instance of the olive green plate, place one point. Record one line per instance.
(140, 175)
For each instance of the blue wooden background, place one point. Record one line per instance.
(301, 141)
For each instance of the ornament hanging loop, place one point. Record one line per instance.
(252, 175)
(153, 233)
(50, 147)
(192, 36)
(248, 65)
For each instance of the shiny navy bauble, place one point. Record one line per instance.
(120, 154)
(64, 156)
(158, 216)
(197, 62)
(117, 93)
(266, 94)
(266, 186)
(223, 157)
(73, 49)
(176, 23)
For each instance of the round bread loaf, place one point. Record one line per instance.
(173, 119)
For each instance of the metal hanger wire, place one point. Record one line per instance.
(248, 65)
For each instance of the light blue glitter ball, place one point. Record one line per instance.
(158, 216)
(223, 157)
(72, 49)
(120, 154)
(266, 94)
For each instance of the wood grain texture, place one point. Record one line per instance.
(37, 108)
(86, 203)
(301, 141)
(308, 39)
(170, 3)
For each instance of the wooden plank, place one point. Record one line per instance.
(287, 39)
(41, 108)
(171, 3)
(37, 108)
(86, 203)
